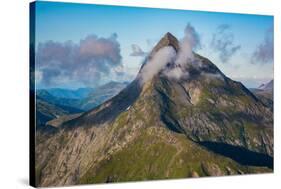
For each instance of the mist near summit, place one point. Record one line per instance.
(178, 60)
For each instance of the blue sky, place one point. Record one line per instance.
(61, 22)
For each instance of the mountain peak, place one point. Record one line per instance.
(266, 86)
(169, 36)
(167, 40)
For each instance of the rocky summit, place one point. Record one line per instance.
(167, 40)
(188, 120)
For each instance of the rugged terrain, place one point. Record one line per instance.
(200, 124)
(46, 111)
(265, 93)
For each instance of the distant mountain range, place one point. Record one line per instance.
(82, 98)
(46, 111)
(56, 103)
(48, 97)
(71, 94)
(101, 94)
(267, 86)
(197, 123)
(265, 93)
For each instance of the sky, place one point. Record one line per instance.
(86, 45)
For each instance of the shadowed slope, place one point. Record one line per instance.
(163, 128)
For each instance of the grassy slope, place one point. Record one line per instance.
(156, 154)
(159, 154)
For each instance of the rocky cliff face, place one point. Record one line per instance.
(199, 123)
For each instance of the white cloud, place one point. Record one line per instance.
(160, 59)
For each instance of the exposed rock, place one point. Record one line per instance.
(194, 174)
(211, 169)
(160, 135)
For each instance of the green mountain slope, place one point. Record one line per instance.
(159, 154)
(198, 125)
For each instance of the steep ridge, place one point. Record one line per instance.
(167, 40)
(166, 127)
(211, 107)
(109, 110)
(126, 97)
(206, 98)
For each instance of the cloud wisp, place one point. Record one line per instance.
(264, 52)
(85, 62)
(159, 61)
(185, 56)
(223, 43)
(137, 51)
(190, 42)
